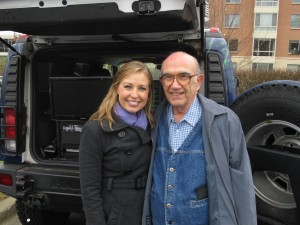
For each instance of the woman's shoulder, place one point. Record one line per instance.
(92, 125)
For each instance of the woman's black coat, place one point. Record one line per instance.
(109, 160)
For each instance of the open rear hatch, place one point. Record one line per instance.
(93, 17)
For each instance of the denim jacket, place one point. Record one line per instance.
(231, 196)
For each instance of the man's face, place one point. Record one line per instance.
(180, 92)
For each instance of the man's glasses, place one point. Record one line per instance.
(182, 78)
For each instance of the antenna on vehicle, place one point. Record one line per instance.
(202, 8)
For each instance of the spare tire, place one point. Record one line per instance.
(270, 117)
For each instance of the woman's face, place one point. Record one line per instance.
(133, 92)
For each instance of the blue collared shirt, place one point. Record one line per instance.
(178, 132)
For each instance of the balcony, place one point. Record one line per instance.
(266, 6)
(266, 3)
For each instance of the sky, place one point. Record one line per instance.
(8, 33)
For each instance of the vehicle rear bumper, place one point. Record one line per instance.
(45, 187)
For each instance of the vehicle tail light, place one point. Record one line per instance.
(214, 30)
(9, 122)
(6, 179)
(9, 129)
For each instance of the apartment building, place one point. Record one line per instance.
(261, 34)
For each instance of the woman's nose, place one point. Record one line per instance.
(134, 93)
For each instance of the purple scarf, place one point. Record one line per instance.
(138, 119)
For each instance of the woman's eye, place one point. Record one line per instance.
(143, 89)
(127, 87)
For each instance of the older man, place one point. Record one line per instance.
(200, 171)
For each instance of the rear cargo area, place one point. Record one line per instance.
(69, 83)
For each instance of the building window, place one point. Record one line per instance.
(265, 21)
(264, 47)
(296, 1)
(232, 20)
(3, 47)
(233, 45)
(266, 2)
(233, 1)
(262, 66)
(294, 47)
(293, 67)
(295, 21)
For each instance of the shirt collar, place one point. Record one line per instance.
(192, 116)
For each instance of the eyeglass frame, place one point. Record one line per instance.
(175, 77)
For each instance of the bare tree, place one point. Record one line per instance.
(236, 23)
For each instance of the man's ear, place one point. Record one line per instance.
(200, 80)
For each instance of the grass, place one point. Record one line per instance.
(2, 196)
(249, 78)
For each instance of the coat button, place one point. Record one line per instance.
(169, 205)
(170, 186)
(128, 151)
(172, 169)
(121, 134)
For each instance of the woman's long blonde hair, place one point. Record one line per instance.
(106, 109)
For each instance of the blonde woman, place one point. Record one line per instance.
(115, 150)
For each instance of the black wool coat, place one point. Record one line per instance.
(107, 159)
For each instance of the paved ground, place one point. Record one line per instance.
(8, 214)
(13, 220)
